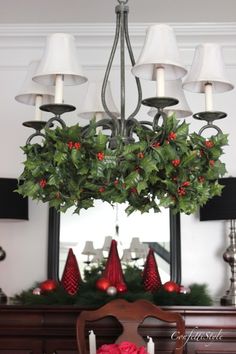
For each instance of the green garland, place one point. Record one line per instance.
(89, 296)
(167, 168)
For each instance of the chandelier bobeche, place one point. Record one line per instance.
(149, 163)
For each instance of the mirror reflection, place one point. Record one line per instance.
(90, 233)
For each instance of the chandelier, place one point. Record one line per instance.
(149, 163)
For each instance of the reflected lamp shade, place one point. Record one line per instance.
(89, 249)
(12, 204)
(107, 243)
(207, 67)
(159, 50)
(92, 106)
(173, 88)
(221, 207)
(59, 58)
(30, 89)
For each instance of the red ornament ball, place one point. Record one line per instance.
(102, 284)
(121, 288)
(171, 286)
(48, 285)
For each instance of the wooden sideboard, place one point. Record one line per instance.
(51, 330)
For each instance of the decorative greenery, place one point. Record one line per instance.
(166, 168)
(89, 296)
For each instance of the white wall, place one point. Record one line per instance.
(26, 242)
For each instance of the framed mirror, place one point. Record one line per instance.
(61, 226)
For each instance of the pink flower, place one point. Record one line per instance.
(122, 348)
(109, 349)
(142, 350)
(128, 347)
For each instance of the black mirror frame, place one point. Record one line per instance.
(54, 246)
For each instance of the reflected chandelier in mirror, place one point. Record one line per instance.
(172, 256)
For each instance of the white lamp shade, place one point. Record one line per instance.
(159, 50)
(93, 102)
(174, 89)
(88, 249)
(98, 256)
(135, 244)
(207, 67)
(59, 58)
(30, 89)
(107, 243)
(126, 255)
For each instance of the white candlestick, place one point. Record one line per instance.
(150, 346)
(208, 97)
(98, 116)
(38, 103)
(160, 81)
(92, 343)
(59, 85)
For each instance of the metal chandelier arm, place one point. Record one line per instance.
(122, 34)
(108, 70)
(105, 123)
(130, 51)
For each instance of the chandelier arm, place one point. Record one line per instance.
(210, 126)
(130, 126)
(33, 136)
(163, 115)
(145, 122)
(107, 73)
(58, 119)
(156, 118)
(122, 68)
(131, 55)
(105, 123)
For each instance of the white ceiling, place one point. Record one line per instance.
(77, 11)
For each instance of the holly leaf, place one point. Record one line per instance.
(100, 142)
(132, 179)
(148, 164)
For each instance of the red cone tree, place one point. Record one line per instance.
(71, 277)
(113, 271)
(151, 277)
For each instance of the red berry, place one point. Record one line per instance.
(77, 146)
(172, 136)
(156, 144)
(70, 145)
(140, 155)
(209, 144)
(181, 191)
(101, 189)
(116, 182)
(175, 163)
(201, 153)
(100, 156)
(133, 190)
(201, 179)
(43, 183)
(186, 184)
(212, 163)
